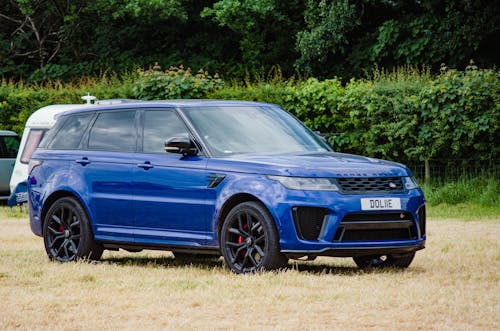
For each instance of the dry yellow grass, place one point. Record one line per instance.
(452, 285)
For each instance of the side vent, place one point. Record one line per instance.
(215, 179)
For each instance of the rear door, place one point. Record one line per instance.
(105, 164)
(170, 189)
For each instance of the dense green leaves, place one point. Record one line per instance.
(405, 115)
(325, 36)
(175, 83)
(65, 39)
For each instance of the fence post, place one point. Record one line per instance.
(427, 171)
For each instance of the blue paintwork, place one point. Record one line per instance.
(170, 203)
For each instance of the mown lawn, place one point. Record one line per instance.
(454, 284)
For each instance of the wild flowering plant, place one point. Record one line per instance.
(175, 83)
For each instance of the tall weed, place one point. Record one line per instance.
(482, 190)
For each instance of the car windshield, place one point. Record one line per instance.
(251, 129)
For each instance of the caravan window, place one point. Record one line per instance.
(34, 137)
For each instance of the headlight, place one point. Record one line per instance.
(410, 183)
(307, 183)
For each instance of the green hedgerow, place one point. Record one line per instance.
(175, 83)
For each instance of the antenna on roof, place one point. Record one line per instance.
(89, 98)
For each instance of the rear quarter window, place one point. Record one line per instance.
(70, 133)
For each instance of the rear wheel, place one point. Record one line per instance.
(249, 239)
(402, 261)
(67, 233)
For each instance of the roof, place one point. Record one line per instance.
(7, 133)
(182, 103)
(45, 116)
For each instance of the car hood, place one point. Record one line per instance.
(321, 164)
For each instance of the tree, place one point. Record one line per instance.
(326, 36)
(265, 29)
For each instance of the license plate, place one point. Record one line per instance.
(380, 204)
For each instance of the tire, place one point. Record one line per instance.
(195, 256)
(384, 261)
(249, 239)
(67, 234)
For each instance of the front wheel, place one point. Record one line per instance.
(67, 234)
(402, 261)
(249, 239)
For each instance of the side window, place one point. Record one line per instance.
(160, 125)
(114, 131)
(8, 147)
(69, 136)
(32, 142)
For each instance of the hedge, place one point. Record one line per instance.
(405, 115)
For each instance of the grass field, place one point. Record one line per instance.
(454, 284)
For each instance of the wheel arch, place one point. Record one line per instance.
(56, 196)
(232, 202)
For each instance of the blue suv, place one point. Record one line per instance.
(203, 178)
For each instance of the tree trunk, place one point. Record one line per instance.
(427, 171)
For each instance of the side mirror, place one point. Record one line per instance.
(181, 145)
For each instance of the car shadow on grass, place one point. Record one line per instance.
(164, 262)
(344, 270)
(215, 263)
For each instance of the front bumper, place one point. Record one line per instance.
(356, 251)
(346, 229)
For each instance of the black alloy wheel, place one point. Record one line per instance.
(402, 261)
(249, 240)
(67, 233)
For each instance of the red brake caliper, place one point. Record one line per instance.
(240, 241)
(61, 228)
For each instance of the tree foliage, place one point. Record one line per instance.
(68, 38)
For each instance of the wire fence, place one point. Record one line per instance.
(452, 169)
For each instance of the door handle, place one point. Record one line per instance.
(83, 161)
(146, 165)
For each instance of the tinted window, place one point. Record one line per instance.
(113, 132)
(32, 142)
(159, 126)
(70, 134)
(8, 147)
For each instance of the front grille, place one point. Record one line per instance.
(376, 226)
(362, 185)
(309, 221)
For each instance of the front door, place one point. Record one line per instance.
(170, 189)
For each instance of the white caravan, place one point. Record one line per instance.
(37, 125)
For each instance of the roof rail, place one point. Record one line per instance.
(115, 101)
